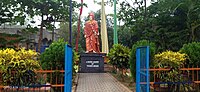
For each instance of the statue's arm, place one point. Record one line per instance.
(87, 31)
(96, 28)
(85, 35)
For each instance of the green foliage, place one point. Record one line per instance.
(55, 9)
(174, 61)
(75, 61)
(17, 66)
(119, 56)
(193, 51)
(162, 22)
(64, 30)
(125, 36)
(7, 13)
(54, 56)
(4, 41)
(132, 60)
(64, 34)
(9, 35)
(50, 11)
(169, 59)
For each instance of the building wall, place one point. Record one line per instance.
(33, 38)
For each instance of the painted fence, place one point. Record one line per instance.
(189, 83)
(54, 83)
(42, 80)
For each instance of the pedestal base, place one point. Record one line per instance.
(92, 62)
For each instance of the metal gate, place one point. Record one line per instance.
(68, 69)
(142, 69)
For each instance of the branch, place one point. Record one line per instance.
(129, 4)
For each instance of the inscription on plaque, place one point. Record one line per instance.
(92, 63)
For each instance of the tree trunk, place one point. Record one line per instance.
(53, 32)
(41, 34)
(122, 75)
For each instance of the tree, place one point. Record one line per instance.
(10, 12)
(163, 22)
(192, 50)
(49, 11)
(64, 34)
(172, 19)
(127, 36)
(5, 13)
(132, 14)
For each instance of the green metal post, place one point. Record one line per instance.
(115, 24)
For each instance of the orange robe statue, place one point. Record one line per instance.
(91, 34)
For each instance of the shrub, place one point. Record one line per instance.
(169, 59)
(16, 66)
(119, 56)
(54, 56)
(193, 51)
(132, 60)
(75, 61)
(174, 61)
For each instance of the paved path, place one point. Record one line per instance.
(99, 82)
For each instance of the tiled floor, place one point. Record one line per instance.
(99, 82)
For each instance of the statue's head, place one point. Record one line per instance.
(91, 16)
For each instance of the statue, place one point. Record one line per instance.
(91, 34)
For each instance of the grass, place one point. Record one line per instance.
(128, 81)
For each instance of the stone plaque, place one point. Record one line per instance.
(92, 62)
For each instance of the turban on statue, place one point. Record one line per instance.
(92, 14)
